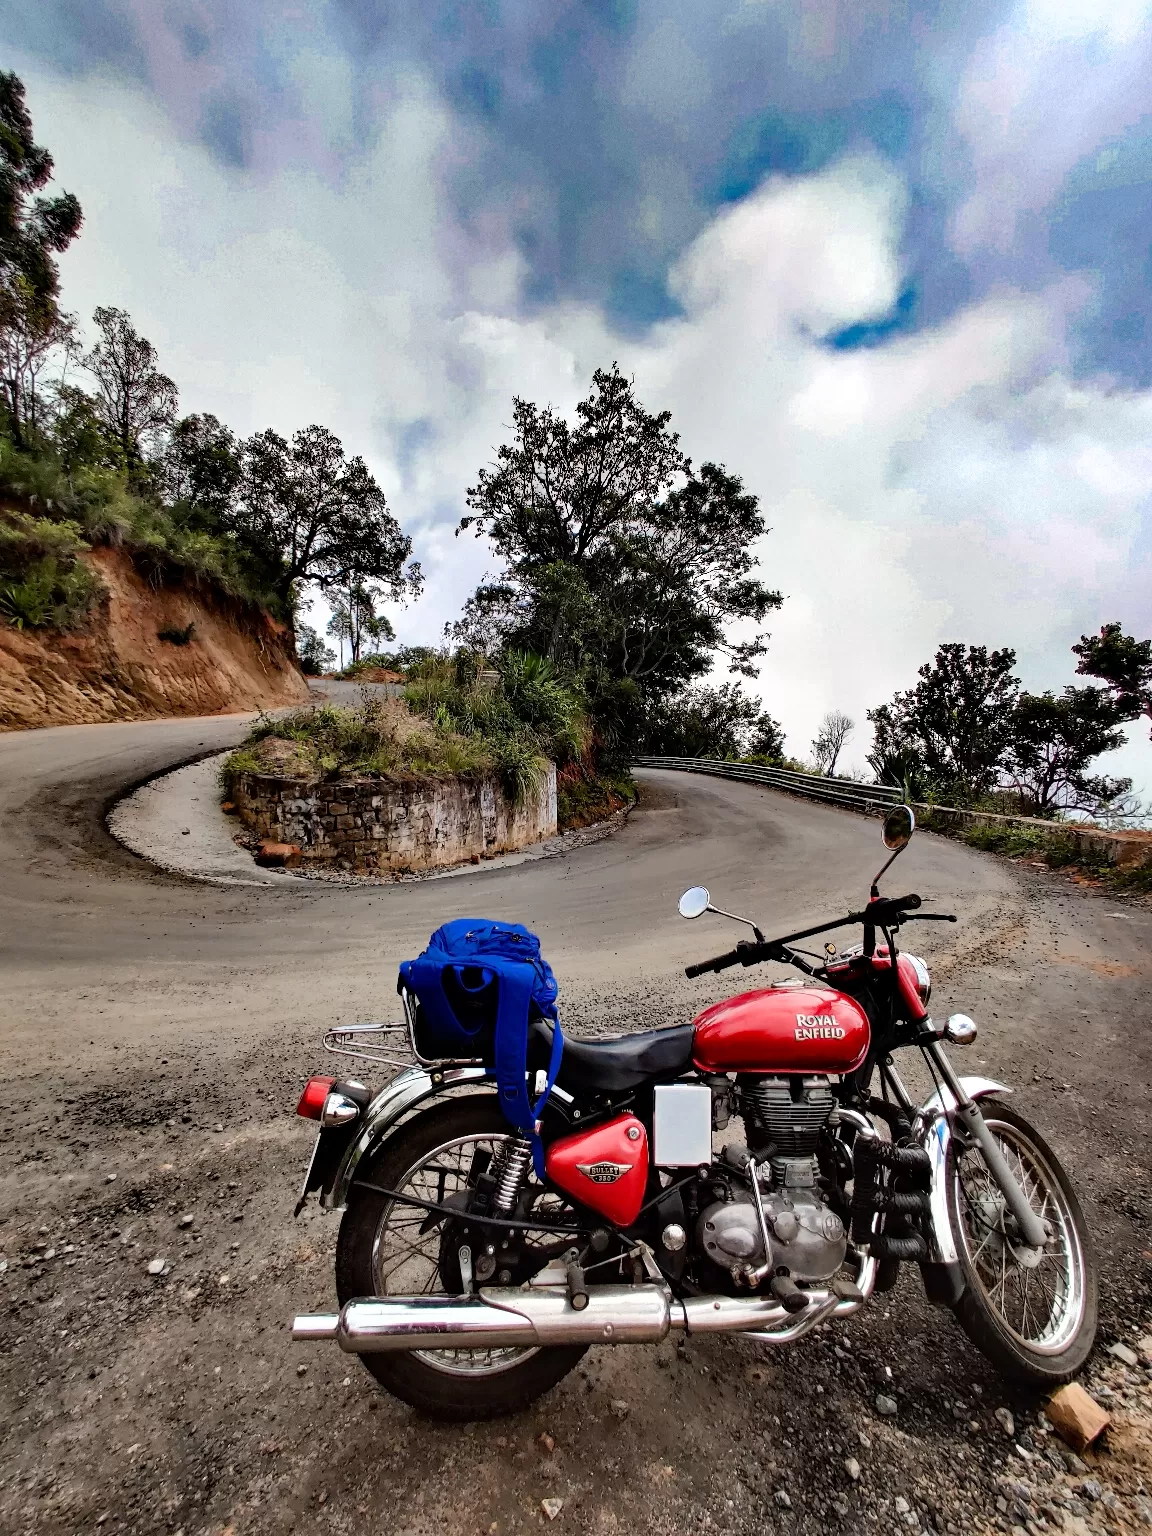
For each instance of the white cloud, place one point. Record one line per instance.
(952, 485)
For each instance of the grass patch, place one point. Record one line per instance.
(1058, 848)
(582, 801)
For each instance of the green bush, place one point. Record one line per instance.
(49, 593)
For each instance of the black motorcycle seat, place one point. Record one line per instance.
(616, 1064)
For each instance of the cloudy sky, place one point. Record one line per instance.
(887, 260)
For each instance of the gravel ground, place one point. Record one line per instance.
(157, 1033)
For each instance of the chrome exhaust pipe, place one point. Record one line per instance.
(536, 1316)
(496, 1319)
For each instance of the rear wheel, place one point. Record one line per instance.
(1031, 1312)
(389, 1249)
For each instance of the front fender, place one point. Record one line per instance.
(406, 1089)
(932, 1128)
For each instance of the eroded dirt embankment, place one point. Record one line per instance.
(118, 668)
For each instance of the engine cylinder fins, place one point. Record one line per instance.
(788, 1112)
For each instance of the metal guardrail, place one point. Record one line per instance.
(846, 792)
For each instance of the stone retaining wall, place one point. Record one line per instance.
(379, 827)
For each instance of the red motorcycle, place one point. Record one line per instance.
(469, 1284)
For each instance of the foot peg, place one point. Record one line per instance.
(788, 1293)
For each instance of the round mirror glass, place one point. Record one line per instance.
(694, 902)
(899, 825)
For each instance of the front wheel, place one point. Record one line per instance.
(1031, 1312)
(389, 1249)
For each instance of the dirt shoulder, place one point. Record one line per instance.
(175, 1025)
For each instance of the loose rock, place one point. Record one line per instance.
(551, 1507)
(888, 1406)
(1124, 1353)
(782, 1499)
(619, 1407)
(156, 1266)
(852, 1467)
(1005, 1420)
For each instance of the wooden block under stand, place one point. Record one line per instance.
(1077, 1418)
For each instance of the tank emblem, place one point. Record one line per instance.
(604, 1172)
(817, 1026)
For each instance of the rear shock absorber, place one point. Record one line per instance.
(509, 1170)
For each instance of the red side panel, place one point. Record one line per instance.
(782, 1029)
(606, 1168)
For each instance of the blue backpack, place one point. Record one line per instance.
(476, 984)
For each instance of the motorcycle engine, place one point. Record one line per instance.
(783, 1118)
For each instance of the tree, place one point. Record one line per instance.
(315, 657)
(622, 566)
(30, 342)
(323, 513)
(1052, 743)
(955, 726)
(133, 400)
(33, 230)
(712, 722)
(828, 743)
(200, 467)
(354, 618)
(1121, 662)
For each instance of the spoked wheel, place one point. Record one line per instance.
(1031, 1311)
(389, 1249)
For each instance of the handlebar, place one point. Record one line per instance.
(881, 912)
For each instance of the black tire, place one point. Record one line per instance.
(441, 1393)
(1072, 1312)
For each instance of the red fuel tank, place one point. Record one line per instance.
(605, 1168)
(782, 1029)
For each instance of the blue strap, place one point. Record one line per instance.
(511, 1056)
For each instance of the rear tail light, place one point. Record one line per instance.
(316, 1090)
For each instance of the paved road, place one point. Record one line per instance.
(158, 1029)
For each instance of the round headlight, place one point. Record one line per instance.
(923, 980)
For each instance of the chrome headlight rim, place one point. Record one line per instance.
(923, 979)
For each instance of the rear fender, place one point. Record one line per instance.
(407, 1089)
(933, 1129)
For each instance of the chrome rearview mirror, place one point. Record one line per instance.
(695, 902)
(899, 825)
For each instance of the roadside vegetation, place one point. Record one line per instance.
(451, 719)
(94, 451)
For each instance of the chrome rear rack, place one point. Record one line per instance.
(386, 1045)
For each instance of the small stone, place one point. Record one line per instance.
(301, 1369)
(156, 1266)
(186, 1220)
(782, 1498)
(218, 1127)
(886, 1406)
(546, 1443)
(185, 831)
(1123, 1353)
(852, 1467)
(1144, 1348)
(277, 855)
(840, 1506)
(619, 1408)
(1075, 1416)
(1091, 1489)
(551, 1507)
(901, 1505)
(109, 1178)
(1005, 1420)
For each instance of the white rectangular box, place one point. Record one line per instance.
(682, 1125)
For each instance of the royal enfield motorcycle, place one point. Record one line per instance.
(759, 1171)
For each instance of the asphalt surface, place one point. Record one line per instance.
(156, 1032)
